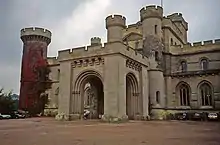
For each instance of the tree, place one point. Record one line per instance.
(7, 103)
(153, 47)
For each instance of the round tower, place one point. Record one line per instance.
(35, 43)
(114, 25)
(95, 41)
(151, 18)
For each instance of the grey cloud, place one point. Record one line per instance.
(202, 15)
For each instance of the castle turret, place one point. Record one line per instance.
(95, 41)
(177, 18)
(114, 25)
(151, 18)
(35, 43)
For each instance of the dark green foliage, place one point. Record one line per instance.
(8, 102)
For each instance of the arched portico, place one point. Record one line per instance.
(88, 94)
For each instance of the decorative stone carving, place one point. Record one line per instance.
(133, 64)
(88, 61)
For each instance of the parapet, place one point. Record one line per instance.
(151, 11)
(197, 46)
(203, 43)
(115, 20)
(28, 33)
(95, 41)
(178, 17)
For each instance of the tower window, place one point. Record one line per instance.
(183, 66)
(204, 64)
(156, 56)
(155, 29)
(171, 41)
(158, 97)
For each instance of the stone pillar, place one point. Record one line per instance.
(114, 89)
(65, 90)
(145, 91)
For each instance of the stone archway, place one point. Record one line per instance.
(133, 98)
(89, 94)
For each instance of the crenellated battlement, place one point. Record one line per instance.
(108, 49)
(35, 33)
(196, 46)
(203, 43)
(115, 20)
(151, 11)
(95, 41)
(52, 60)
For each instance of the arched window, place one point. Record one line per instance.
(206, 94)
(183, 66)
(155, 29)
(204, 64)
(171, 41)
(158, 97)
(184, 93)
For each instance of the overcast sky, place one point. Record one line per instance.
(74, 22)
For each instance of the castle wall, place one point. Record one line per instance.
(195, 98)
(54, 91)
(194, 61)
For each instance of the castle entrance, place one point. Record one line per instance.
(90, 95)
(133, 99)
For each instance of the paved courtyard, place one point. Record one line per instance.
(47, 131)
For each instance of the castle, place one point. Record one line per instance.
(127, 79)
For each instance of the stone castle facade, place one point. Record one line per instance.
(142, 69)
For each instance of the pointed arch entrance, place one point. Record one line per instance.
(133, 97)
(89, 94)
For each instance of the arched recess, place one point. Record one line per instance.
(205, 93)
(95, 89)
(133, 97)
(183, 92)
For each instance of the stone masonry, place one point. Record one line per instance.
(128, 83)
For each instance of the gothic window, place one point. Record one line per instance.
(206, 94)
(158, 97)
(183, 66)
(184, 95)
(155, 29)
(204, 64)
